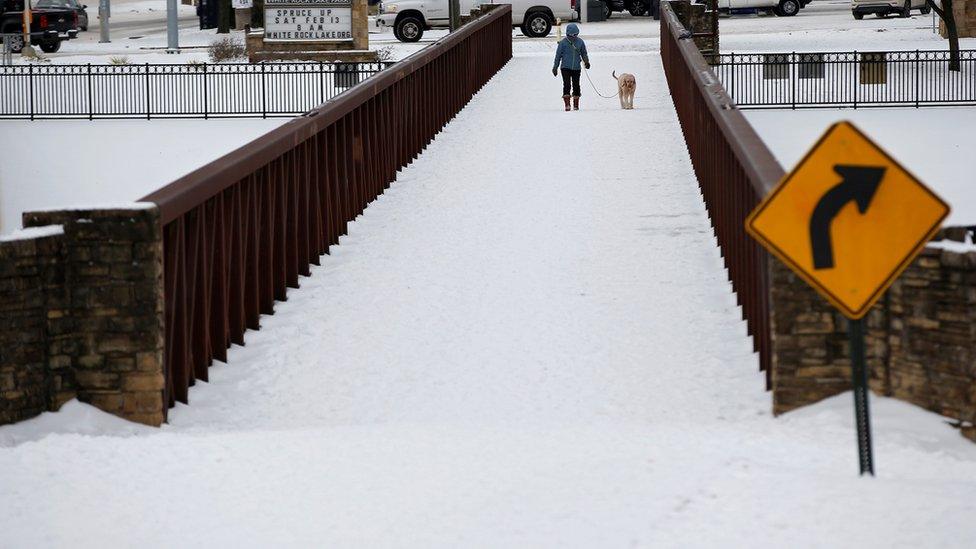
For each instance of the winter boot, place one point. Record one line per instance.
(575, 103)
(566, 102)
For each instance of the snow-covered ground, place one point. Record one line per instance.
(933, 143)
(827, 25)
(51, 164)
(528, 341)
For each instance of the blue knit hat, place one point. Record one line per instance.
(572, 29)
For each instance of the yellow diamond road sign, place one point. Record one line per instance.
(848, 219)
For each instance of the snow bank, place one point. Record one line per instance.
(106, 161)
(933, 143)
(32, 232)
(74, 418)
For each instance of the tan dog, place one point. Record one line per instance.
(626, 86)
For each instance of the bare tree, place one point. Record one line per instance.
(225, 16)
(945, 13)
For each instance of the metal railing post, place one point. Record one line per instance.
(91, 106)
(30, 85)
(264, 108)
(148, 98)
(206, 94)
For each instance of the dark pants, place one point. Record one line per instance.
(571, 76)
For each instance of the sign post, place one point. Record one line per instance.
(848, 220)
(104, 14)
(27, 23)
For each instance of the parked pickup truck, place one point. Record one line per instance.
(783, 8)
(48, 28)
(410, 18)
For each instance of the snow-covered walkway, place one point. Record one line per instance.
(528, 341)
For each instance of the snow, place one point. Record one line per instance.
(931, 142)
(527, 341)
(966, 246)
(67, 163)
(33, 232)
(827, 25)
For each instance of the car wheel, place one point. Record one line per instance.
(925, 9)
(537, 25)
(16, 41)
(906, 10)
(607, 12)
(637, 8)
(50, 46)
(408, 29)
(858, 16)
(789, 8)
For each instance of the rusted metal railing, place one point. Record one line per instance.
(240, 230)
(734, 167)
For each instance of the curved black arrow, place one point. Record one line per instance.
(859, 183)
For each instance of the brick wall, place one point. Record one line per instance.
(30, 272)
(89, 303)
(920, 339)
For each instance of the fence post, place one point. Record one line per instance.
(148, 111)
(918, 67)
(30, 86)
(731, 76)
(264, 108)
(321, 82)
(206, 94)
(857, 77)
(91, 106)
(793, 75)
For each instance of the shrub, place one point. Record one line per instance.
(226, 49)
(123, 60)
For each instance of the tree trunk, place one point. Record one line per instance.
(945, 13)
(950, 21)
(225, 16)
(257, 14)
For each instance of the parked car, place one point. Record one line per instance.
(782, 8)
(635, 7)
(410, 18)
(611, 6)
(48, 28)
(80, 9)
(639, 7)
(881, 8)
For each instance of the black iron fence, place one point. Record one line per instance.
(174, 91)
(846, 79)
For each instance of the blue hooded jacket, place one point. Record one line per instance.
(571, 50)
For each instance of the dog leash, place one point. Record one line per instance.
(587, 73)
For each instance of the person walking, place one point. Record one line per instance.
(570, 52)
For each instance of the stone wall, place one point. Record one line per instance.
(698, 19)
(920, 339)
(91, 313)
(31, 274)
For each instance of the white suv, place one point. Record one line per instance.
(883, 7)
(410, 18)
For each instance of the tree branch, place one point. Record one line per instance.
(938, 11)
